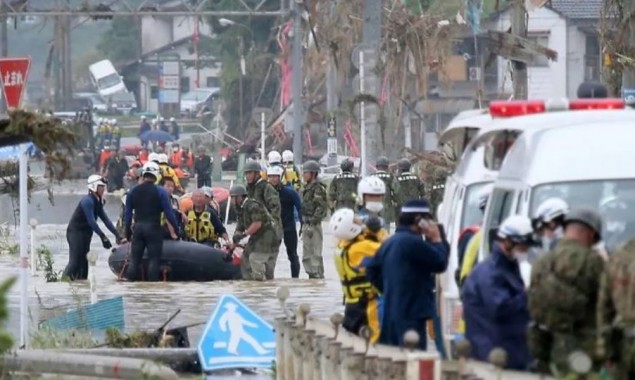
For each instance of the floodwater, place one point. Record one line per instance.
(148, 305)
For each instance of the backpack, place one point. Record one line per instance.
(558, 296)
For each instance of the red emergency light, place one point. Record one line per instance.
(516, 108)
(528, 107)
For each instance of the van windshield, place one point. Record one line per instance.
(613, 199)
(196, 96)
(109, 81)
(471, 213)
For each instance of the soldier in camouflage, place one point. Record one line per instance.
(260, 229)
(314, 209)
(343, 188)
(410, 186)
(616, 312)
(262, 191)
(392, 187)
(563, 297)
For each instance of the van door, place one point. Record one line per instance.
(500, 207)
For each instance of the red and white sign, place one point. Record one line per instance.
(13, 74)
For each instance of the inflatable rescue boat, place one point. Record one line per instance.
(180, 261)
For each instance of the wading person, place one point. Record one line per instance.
(147, 201)
(83, 223)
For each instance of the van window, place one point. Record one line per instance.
(497, 147)
(613, 199)
(109, 81)
(471, 213)
(501, 202)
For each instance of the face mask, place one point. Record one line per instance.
(374, 206)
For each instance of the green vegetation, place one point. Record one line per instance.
(45, 262)
(120, 43)
(6, 341)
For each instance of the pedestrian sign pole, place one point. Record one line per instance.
(13, 75)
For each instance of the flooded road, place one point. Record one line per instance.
(148, 305)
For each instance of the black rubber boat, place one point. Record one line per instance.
(181, 261)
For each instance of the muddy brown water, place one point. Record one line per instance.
(148, 305)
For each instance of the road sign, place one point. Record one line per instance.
(629, 95)
(13, 75)
(169, 82)
(236, 337)
(332, 127)
(331, 146)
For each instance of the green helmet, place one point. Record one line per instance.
(589, 217)
(311, 166)
(252, 166)
(237, 190)
(404, 164)
(382, 161)
(347, 165)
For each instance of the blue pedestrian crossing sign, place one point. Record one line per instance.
(236, 337)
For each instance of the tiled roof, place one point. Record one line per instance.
(578, 9)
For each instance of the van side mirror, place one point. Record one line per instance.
(439, 212)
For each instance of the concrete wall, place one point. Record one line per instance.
(544, 81)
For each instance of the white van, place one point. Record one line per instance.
(106, 78)
(583, 157)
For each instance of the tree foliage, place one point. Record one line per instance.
(121, 42)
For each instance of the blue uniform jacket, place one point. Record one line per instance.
(402, 271)
(289, 201)
(495, 310)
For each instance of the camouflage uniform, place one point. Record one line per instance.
(267, 195)
(562, 303)
(343, 191)
(410, 187)
(257, 264)
(390, 205)
(616, 312)
(314, 209)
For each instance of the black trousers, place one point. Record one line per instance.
(78, 248)
(203, 180)
(290, 237)
(146, 236)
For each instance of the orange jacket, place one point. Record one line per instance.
(143, 156)
(175, 159)
(103, 158)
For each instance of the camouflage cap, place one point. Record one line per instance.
(382, 161)
(252, 166)
(588, 217)
(347, 165)
(237, 190)
(404, 164)
(311, 166)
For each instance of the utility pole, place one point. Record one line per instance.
(372, 39)
(628, 73)
(519, 28)
(296, 84)
(331, 87)
(67, 73)
(4, 44)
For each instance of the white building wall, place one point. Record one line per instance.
(576, 49)
(155, 33)
(543, 82)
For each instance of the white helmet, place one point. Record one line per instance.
(275, 170)
(94, 181)
(342, 224)
(274, 157)
(548, 211)
(113, 121)
(172, 119)
(287, 156)
(143, 117)
(153, 157)
(162, 158)
(371, 186)
(100, 120)
(483, 196)
(517, 229)
(151, 168)
(161, 118)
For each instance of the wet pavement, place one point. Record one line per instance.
(148, 305)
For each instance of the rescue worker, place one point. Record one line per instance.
(167, 171)
(616, 313)
(203, 169)
(143, 128)
(147, 201)
(563, 296)
(176, 156)
(470, 240)
(403, 272)
(107, 132)
(289, 201)
(203, 225)
(179, 229)
(101, 134)
(356, 247)
(291, 172)
(175, 130)
(410, 186)
(209, 198)
(494, 297)
(116, 168)
(187, 159)
(314, 209)
(388, 213)
(259, 226)
(263, 192)
(370, 197)
(273, 159)
(143, 155)
(104, 156)
(343, 188)
(83, 223)
(548, 222)
(163, 125)
(116, 134)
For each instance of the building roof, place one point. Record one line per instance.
(162, 49)
(578, 9)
